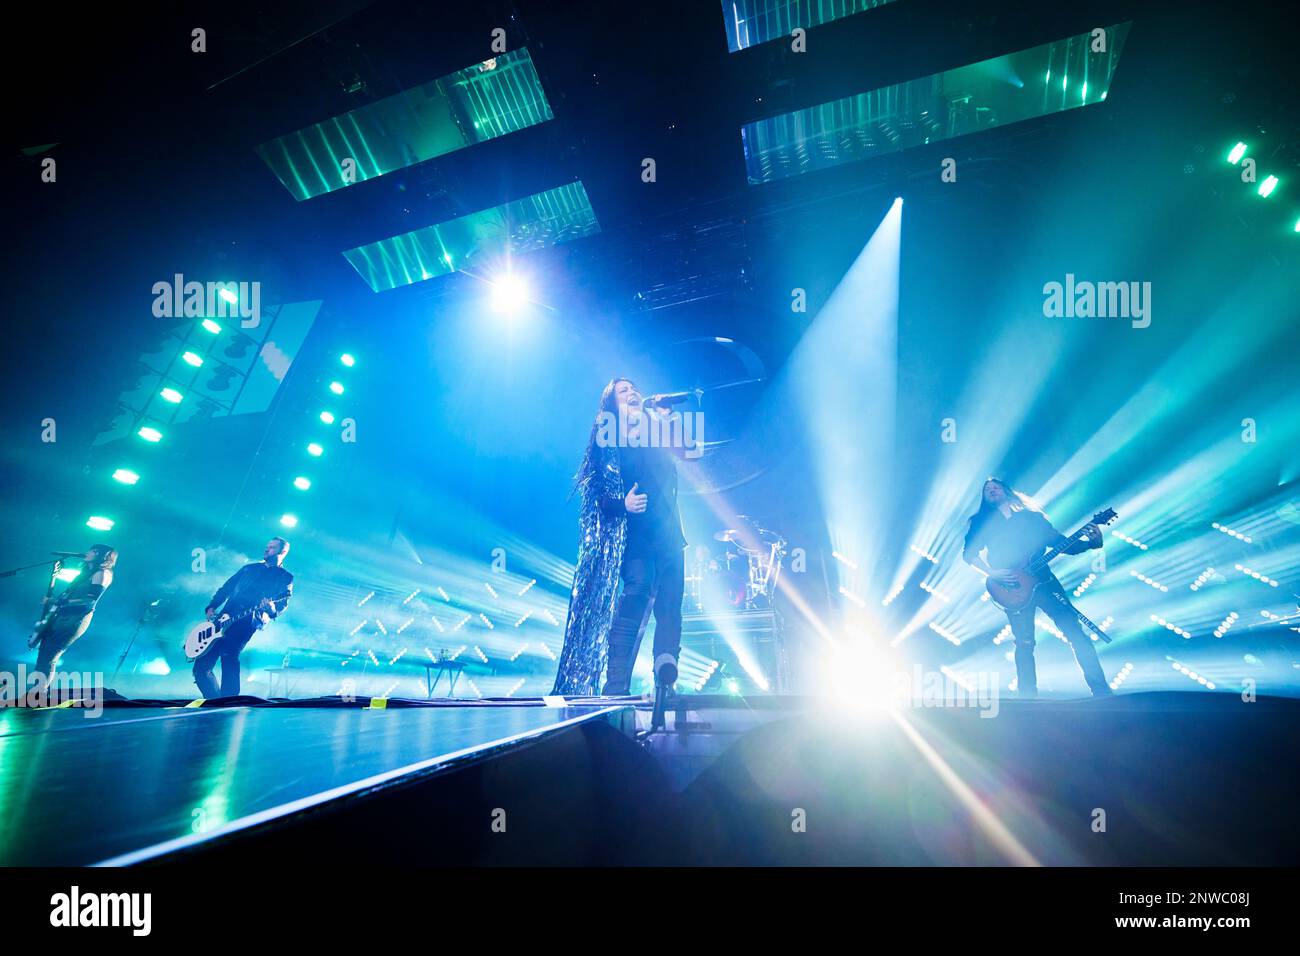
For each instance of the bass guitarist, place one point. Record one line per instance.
(1006, 533)
(70, 615)
(264, 586)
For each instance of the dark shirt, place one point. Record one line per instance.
(82, 595)
(1013, 542)
(248, 586)
(654, 472)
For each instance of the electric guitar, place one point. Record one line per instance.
(202, 636)
(1019, 594)
(38, 632)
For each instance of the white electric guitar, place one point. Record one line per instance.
(202, 636)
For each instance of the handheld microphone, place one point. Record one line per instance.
(66, 554)
(665, 670)
(666, 399)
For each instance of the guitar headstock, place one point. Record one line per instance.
(1104, 517)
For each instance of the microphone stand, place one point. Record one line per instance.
(57, 563)
(145, 616)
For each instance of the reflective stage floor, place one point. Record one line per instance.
(136, 783)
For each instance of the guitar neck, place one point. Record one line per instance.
(1043, 560)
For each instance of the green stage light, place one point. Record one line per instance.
(171, 395)
(347, 359)
(751, 22)
(454, 112)
(1267, 186)
(1297, 225)
(229, 296)
(100, 523)
(150, 434)
(1238, 151)
(539, 221)
(922, 111)
(327, 417)
(336, 388)
(289, 521)
(126, 476)
(301, 483)
(315, 450)
(68, 574)
(191, 359)
(211, 326)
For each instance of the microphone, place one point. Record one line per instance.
(66, 554)
(666, 399)
(665, 676)
(665, 670)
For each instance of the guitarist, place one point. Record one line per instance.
(70, 615)
(264, 586)
(1006, 533)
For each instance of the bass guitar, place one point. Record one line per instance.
(1019, 593)
(38, 631)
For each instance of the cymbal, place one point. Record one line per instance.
(751, 540)
(741, 540)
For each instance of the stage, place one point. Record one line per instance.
(885, 411)
(1138, 779)
(144, 781)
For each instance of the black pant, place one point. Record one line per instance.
(652, 581)
(58, 635)
(227, 650)
(1050, 599)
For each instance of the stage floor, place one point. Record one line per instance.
(138, 782)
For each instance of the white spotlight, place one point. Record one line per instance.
(509, 294)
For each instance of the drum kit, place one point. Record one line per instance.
(740, 572)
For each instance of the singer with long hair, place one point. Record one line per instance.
(630, 531)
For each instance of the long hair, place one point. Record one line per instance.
(593, 598)
(1019, 501)
(590, 466)
(105, 557)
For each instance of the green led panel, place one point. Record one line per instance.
(469, 106)
(534, 222)
(750, 22)
(1007, 89)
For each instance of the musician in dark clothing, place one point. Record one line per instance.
(70, 616)
(1007, 532)
(253, 596)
